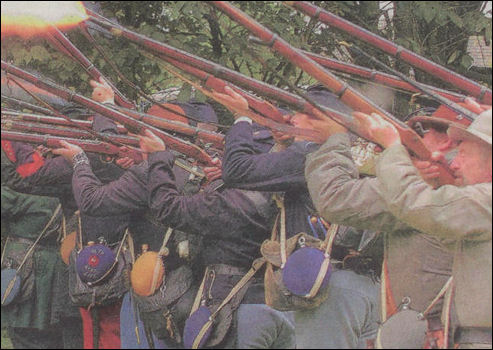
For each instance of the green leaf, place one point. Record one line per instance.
(456, 19)
(466, 61)
(428, 13)
(487, 35)
(200, 97)
(452, 57)
(185, 93)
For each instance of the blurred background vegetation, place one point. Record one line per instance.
(437, 30)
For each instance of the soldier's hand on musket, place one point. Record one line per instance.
(427, 170)
(150, 143)
(125, 162)
(214, 172)
(376, 129)
(68, 151)
(43, 151)
(236, 103)
(473, 105)
(102, 91)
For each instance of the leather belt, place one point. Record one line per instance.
(471, 335)
(434, 323)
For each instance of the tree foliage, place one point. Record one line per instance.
(437, 30)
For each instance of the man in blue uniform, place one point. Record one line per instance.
(349, 316)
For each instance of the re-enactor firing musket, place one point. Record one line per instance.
(345, 93)
(28, 117)
(133, 125)
(482, 93)
(87, 145)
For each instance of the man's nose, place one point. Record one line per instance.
(454, 165)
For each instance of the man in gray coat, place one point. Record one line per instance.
(416, 265)
(462, 213)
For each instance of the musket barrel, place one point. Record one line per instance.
(61, 42)
(171, 125)
(378, 77)
(28, 117)
(24, 104)
(482, 93)
(87, 145)
(9, 124)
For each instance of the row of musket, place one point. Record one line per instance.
(215, 77)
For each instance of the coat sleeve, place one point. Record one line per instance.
(244, 167)
(339, 194)
(123, 195)
(202, 213)
(448, 212)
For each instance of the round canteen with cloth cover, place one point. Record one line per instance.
(193, 328)
(94, 262)
(301, 270)
(68, 244)
(147, 273)
(11, 286)
(404, 330)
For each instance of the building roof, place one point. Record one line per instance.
(479, 51)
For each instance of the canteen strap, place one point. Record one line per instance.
(257, 264)
(329, 240)
(440, 294)
(282, 238)
(198, 296)
(162, 252)
(79, 233)
(53, 217)
(4, 248)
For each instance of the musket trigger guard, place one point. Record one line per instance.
(106, 159)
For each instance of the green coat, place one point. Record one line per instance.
(25, 216)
